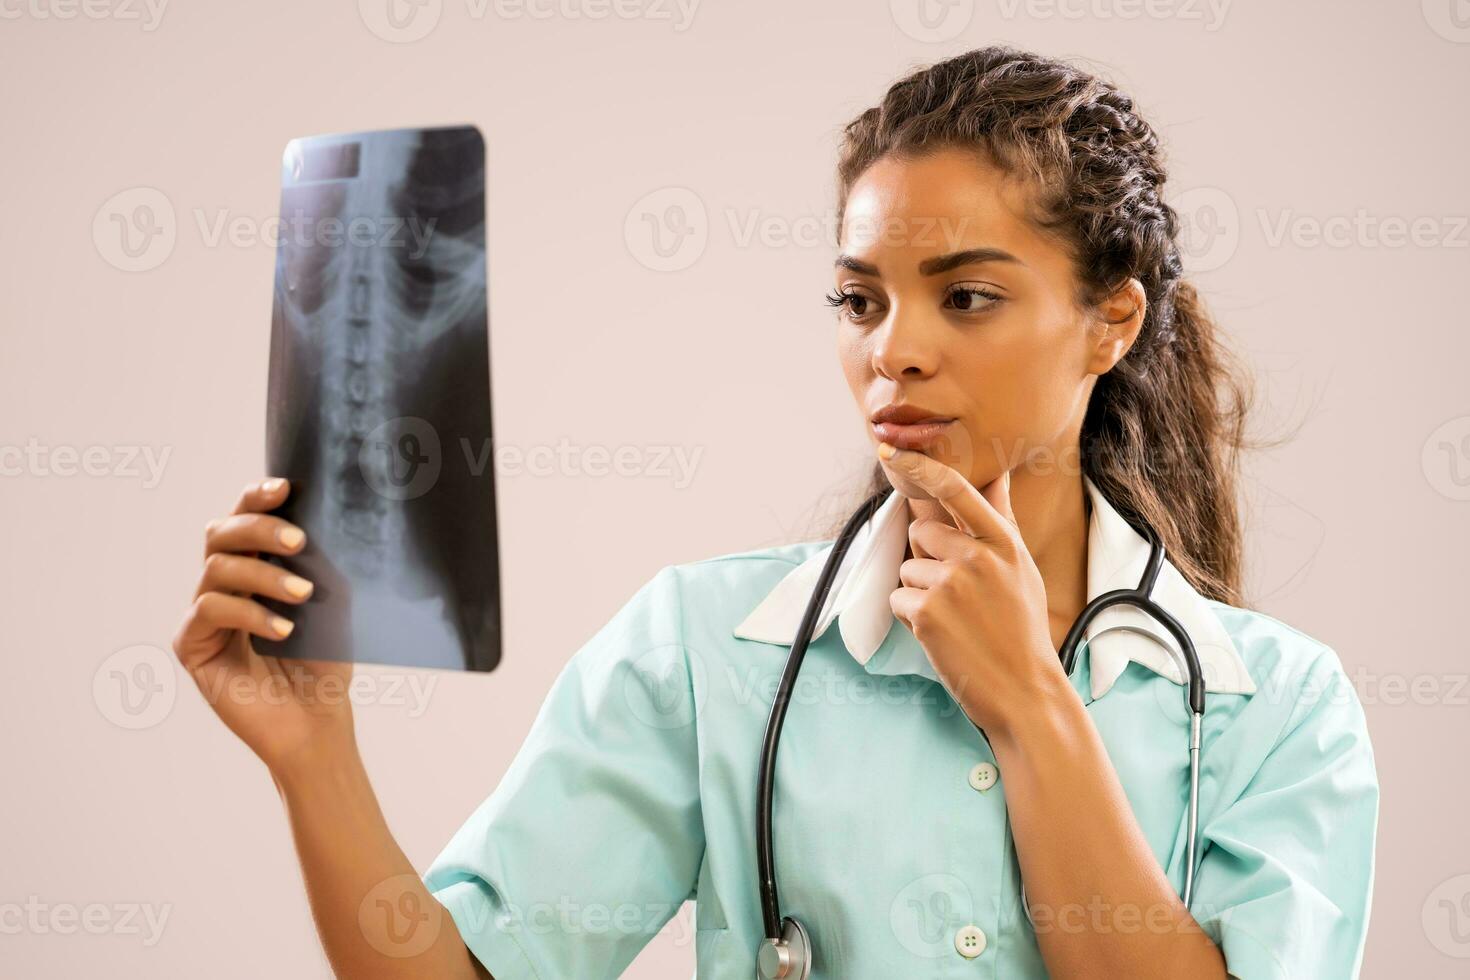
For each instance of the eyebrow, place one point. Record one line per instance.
(938, 265)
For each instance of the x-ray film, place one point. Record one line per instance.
(379, 405)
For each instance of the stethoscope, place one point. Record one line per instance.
(786, 952)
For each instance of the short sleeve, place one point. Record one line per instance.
(593, 839)
(1286, 879)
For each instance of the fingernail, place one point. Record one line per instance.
(282, 625)
(297, 586)
(291, 537)
(886, 451)
(273, 484)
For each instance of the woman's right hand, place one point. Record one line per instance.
(296, 715)
(279, 707)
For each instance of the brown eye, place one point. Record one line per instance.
(971, 299)
(853, 305)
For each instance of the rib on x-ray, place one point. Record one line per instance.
(379, 406)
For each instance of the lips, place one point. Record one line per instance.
(910, 426)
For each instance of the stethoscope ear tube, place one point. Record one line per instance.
(766, 779)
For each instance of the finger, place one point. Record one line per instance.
(265, 495)
(237, 574)
(253, 532)
(905, 603)
(937, 539)
(921, 573)
(915, 545)
(972, 512)
(215, 611)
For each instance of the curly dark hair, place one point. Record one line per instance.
(1163, 430)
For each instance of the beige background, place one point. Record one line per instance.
(130, 800)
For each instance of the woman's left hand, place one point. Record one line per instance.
(973, 596)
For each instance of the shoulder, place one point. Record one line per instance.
(1300, 680)
(1272, 649)
(700, 602)
(755, 571)
(715, 594)
(677, 629)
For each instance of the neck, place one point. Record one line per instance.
(1051, 512)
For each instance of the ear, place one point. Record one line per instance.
(1115, 325)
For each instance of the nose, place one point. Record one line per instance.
(906, 347)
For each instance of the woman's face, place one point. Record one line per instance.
(954, 308)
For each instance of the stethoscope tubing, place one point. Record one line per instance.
(1140, 597)
(766, 785)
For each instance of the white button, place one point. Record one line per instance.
(984, 776)
(970, 942)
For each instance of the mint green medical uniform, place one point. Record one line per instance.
(634, 790)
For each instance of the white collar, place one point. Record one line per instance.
(1116, 556)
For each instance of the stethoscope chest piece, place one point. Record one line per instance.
(789, 958)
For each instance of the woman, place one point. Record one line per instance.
(1038, 381)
